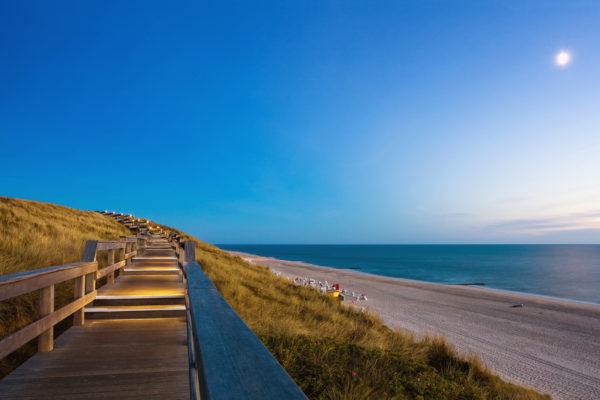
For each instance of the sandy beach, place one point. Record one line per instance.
(551, 345)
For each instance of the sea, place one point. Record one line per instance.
(562, 271)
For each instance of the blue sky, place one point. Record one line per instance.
(309, 122)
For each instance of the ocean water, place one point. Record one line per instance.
(565, 271)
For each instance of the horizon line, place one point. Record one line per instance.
(406, 244)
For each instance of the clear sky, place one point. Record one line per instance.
(309, 121)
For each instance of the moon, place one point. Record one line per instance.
(562, 58)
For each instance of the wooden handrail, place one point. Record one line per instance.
(39, 327)
(26, 282)
(110, 269)
(85, 273)
(228, 358)
(110, 245)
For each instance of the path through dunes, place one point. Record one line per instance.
(133, 344)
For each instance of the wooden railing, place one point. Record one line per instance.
(84, 273)
(227, 360)
(138, 225)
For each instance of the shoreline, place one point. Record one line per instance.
(409, 280)
(550, 344)
(484, 286)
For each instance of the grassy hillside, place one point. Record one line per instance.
(36, 235)
(336, 352)
(332, 351)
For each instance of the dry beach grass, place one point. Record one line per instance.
(287, 317)
(37, 235)
(332, 351)
(550, 344)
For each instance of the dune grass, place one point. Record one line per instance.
(37, 235)
(334, 351)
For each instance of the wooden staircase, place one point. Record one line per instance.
(136, 293)
(151, 334)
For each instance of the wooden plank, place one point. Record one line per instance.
(124, 359)
(29, 281)
(121, 365)
(79, 292)
(193, 370)
(114, 359)
(110, 273)
(109, 245)
(46, 339)
(31, 331)
(110, 269)
(90, 282)
(190, 252)
(81, 388)
(228, 353)
(141, 243)
(89, 252)
(121, 252)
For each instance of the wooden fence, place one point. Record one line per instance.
(84, 274)
(227, 360)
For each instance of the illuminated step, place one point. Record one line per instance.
(143, 311)
(139, 300)
(141, 296)
(151, 271)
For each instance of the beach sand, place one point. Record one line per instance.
(551, 345)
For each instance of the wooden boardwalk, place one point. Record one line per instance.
(160, 330)
(133, 344)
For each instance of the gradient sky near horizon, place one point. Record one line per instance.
(309, 122)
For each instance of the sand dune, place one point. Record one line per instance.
(548, 344)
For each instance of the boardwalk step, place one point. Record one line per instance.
(169, 263)
(151, 271)
(123, 312)
(139, 300)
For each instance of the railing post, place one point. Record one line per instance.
(126, 245)
(141, 243)
(90, 282)
(180, 253)
(89, 254)
(122, 253)
(127, 250)
(110, 278)
(189, 253)
(46, 339)
(85, 282)
(79, 291)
